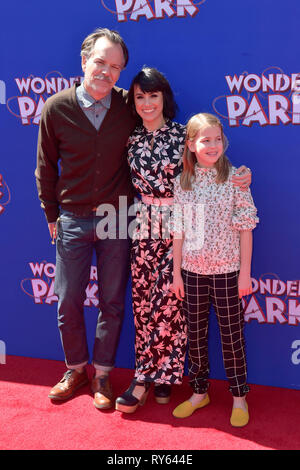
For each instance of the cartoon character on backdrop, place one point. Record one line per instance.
(4, 194)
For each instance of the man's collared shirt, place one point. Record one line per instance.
(94, 110)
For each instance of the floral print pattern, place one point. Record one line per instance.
(211, 215)
(160, 343)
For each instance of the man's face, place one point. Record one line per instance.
(102, 68)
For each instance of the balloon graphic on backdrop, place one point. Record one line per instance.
(4, 194)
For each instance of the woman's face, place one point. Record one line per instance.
(149, 107)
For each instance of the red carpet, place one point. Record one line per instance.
(30, 421)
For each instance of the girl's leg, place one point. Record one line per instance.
(230, 314)
(196, 309)
(240, 402)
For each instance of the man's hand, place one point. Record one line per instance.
(242, 178)
(53, 231)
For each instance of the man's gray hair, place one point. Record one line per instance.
(89, 42)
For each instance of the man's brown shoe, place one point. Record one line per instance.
(71, 381)
(102, 392)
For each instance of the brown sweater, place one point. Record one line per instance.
(78, 167)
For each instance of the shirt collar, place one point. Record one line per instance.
(87, 100)
(201, 170)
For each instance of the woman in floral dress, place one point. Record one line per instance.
(155, 158)
(154, 155)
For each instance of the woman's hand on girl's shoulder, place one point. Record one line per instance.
(242, 178)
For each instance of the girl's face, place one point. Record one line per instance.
(207, 146)
(149, 107)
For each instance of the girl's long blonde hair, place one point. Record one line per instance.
(195, 124)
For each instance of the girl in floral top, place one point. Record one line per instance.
(155, 158)
(213, 223)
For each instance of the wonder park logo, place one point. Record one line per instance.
(151, 9)
(266, 99)
(33, 92)
(273, 301)
(40, 285)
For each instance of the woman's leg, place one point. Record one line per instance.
(159, 319)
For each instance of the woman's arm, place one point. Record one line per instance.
(244, 282)
(177, 286)
(242, 178)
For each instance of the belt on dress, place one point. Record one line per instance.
(157, 201)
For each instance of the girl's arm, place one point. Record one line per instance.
(244, 282)
(178, 287)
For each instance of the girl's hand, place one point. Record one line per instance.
(178, 287)
(245, 285)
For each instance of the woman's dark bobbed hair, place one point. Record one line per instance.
(150, 80)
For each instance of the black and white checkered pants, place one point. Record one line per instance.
(222, 291)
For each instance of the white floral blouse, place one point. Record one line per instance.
(211, 216)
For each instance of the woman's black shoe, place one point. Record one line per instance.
(162, 393)
(128, 403)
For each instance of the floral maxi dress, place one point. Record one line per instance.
(155, 159)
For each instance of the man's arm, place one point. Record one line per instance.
(46, 172)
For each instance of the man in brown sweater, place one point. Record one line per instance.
(81, 165)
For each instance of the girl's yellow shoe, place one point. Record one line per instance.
(186, 409)
(239, 417)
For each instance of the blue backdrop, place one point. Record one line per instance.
(239, 61)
